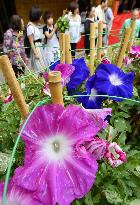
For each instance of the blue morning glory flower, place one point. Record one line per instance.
(90, 102)
(111, 80)
(80, 74)
(53, 65)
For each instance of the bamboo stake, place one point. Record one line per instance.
(92, 48)
(55, 86)
(62, 47)
(99, 46)
(132, 26)
(14, 86)
(123, 47)
(68, 57)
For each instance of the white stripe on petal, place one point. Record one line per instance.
(93, 92)
(115, 80)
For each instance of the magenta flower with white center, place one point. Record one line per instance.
(55, 168)
(114, 155)
(66, 71)
(17, 196)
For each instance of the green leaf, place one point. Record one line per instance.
(120, 125)
(4, 161)
(135, 202)
(122, 138)
(113, 196)
(88, 199)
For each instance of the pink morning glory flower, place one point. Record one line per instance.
(66, 71)
(127, 61)
(114, 155)
(8, 99)
(102, 149)
(17, 196)
(100, 115)
(135, 51)
(96, 147)
(56, 169)
(105, 61)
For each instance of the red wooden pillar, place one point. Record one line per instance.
(115, 7)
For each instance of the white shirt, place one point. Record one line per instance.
(74, 28)
(34, 30)
(100, 13)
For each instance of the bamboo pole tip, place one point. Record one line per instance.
(61, 34)
(4, 58)
(4, 62)
(54, 77)
(100, 24)
(67, 36)
(128, 30)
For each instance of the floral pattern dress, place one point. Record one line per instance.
(13, 46)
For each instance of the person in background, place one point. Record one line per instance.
(51, 49)
(38, 61)
(83, 7)
(109, 17)
(74, 26)
(91, 18)
(67, 11)
(100, 12)
(13, 45)
(127, 22)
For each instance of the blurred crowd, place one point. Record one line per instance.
(37, 45)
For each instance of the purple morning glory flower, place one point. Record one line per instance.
(52, 67)
(111, 80)
(55, 169)
(90, 102)
(80, 74)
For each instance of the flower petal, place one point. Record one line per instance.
(114, 155)
(66, 71)
(79, 75)
(114, 81)
(96, 147)
(52, 163)
(17, 195)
